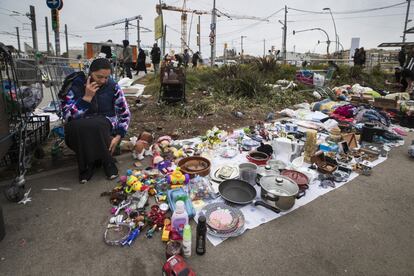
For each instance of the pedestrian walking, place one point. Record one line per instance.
(186, 58)
(127, 58)
(156, 57)
(141, 62)
(402, 56)
(356, 56)
(195, 59)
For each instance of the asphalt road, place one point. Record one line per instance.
(366, 227)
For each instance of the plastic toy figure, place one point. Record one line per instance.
(166, 230)
(177, 178)
(134, 185)
(176, 265)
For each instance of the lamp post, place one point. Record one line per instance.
(336, 34)
(328, 41)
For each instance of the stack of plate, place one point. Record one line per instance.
(223, 221)
(222, 173)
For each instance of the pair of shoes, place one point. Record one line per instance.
(110, 169)
(86, 175)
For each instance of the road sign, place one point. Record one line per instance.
(212, 26)
(53, 4)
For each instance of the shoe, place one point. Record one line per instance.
(110, 169)
(86, 175)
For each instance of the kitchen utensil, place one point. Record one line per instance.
(279, 192)
(299, 178)
(263, 171)
(248, 172)
(258, 158)
(195, 165)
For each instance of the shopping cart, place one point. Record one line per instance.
(21, 91)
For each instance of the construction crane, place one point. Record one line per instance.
(122, 21)
(184, 10)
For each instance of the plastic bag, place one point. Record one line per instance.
(200, 188)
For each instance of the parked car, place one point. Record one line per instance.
(222, 62)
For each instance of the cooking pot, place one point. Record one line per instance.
(279, 191)
(258, 158)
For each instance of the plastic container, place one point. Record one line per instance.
(248, 172)
(179, 218)
(187, 241)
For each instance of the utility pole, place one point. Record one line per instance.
(55, 27)
(406, 19)
(67, 41)
(47, 36)
(138, 35)
(164, 42)
(264, 47)
(32, 17)
(18, 39)
(241, 46)
(199, 34)
(284, 35)
(213, 34)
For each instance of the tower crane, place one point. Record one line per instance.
(184, 10)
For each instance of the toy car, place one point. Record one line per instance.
(176, 266)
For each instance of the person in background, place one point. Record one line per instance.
(196, 57)
(186, 58)
(356, 56)
(362, 56)
(407, 82)
(127, 58)
(141, 62)
(156, 57)
(106, 49)
(96, 117)
(402, 56)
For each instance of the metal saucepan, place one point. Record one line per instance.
(241, 192)
(279, 191)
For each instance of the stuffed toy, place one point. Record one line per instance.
(142, 146)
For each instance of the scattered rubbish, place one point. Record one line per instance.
(26, 198)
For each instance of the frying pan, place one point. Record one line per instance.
(241, 192)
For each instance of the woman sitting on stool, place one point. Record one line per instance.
(97, 117)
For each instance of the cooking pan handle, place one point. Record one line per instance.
(304, 187)
(301, 194)
(261, 203)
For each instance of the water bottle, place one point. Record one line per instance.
(201, 235)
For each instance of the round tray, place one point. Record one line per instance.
(238, 228)
(215, 177)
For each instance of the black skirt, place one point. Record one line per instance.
(89, 138)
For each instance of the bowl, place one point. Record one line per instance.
(195, 165)
(258, 157)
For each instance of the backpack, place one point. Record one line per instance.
(67, 83)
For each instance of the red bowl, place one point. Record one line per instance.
(257, 157)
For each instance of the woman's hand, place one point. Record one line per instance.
(90, 90)
(115, 141)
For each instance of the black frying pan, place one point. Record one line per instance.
(241, 192)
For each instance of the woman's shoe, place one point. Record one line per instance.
(110, 169)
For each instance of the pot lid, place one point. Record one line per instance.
(279, 185)
(266, 170)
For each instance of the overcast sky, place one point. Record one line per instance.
(82, 16)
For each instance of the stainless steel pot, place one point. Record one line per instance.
(279, 191)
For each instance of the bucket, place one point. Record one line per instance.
(248, 172)
(2, 227)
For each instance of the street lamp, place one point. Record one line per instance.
(336, 34)
(328, 41)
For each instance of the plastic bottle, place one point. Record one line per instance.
(201, 236)
(187, 241)
(179, 218)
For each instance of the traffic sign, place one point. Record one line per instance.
(54, 4)
(212, 26)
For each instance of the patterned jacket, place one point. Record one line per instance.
(109, 101)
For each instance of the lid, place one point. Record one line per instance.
(187, 232)
(179, 206)
(279, 185)
(266, 170)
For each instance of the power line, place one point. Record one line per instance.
(350, 11)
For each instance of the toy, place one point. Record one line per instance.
(177, 178)
(166, 230)
(132, 236)
(179, 194)
(133, 184)
(164, 166)
(176, 265)
(142, 146)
